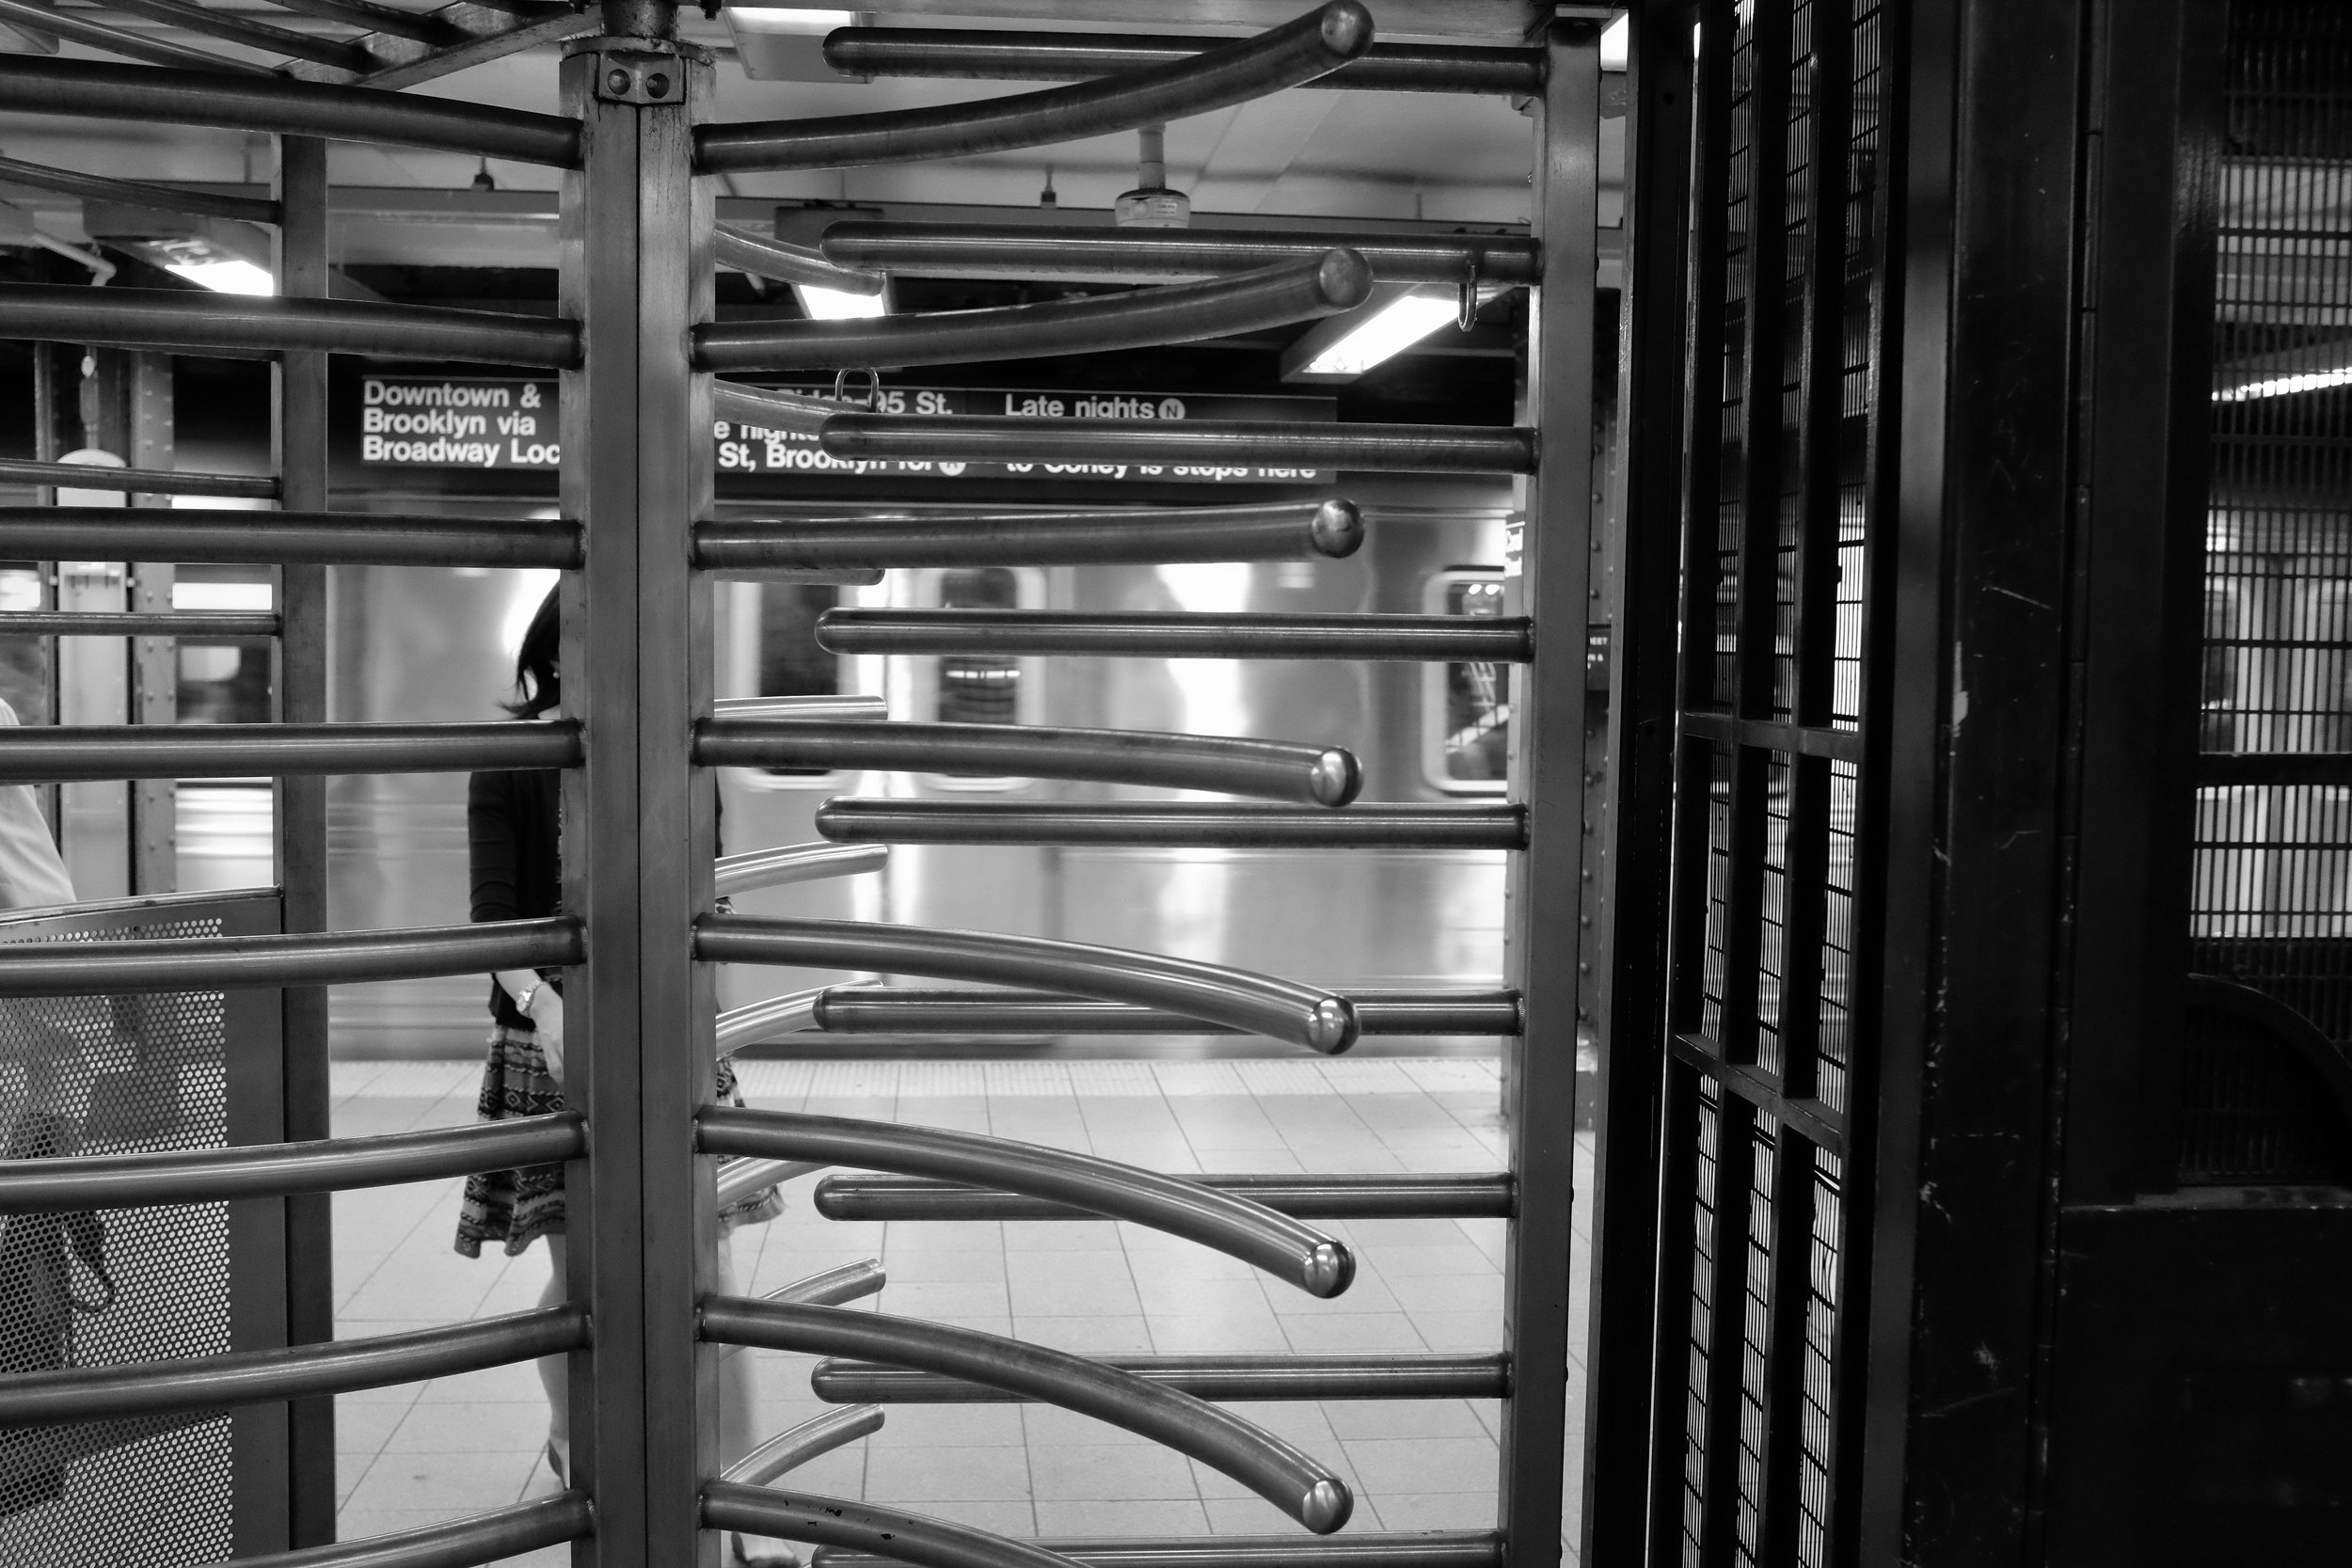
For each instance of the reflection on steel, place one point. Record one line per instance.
(137, 193)
(1318, 1197)
(30, 85)
(849, 708)
(1206, 1377)
(191, 322)
(269, 538)
(31, 16)
(764, 1021)
(272, 1170)
(1329, 282)
(1071, 57)
(1289, 1480)
(768, 409)
(848, 1282)
(142, 482)
(1427, 824)
(1408, 1549)
(743, 1180)
(788, 863)
(901, 1538)
(1040, 251)
(898, 1010)
(1311, 775)
(491, 1537)
(790, 1450)
(1230, 443)
(264, 1376)
(1231, 1225)
(1160, 635)
(49, 754)
(176, 623)
(1283, 531)
(1295, 52)
(762, 257)
(322, 959)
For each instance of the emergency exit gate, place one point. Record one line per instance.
(636, 345)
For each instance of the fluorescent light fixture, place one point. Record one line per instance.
(833, 305)
(786, 43)
(1612, 42)
(219, 596)
(1346, 346)
(2287, 385)
(788, 19)
(228, 276)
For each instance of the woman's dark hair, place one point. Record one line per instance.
(534, 662)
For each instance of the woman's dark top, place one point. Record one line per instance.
(513, 826)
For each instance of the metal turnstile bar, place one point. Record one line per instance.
(416, 27)
(273, 1170)
(142, 482)
(1295, 52)
(1291, 1481)
(1421, 825)
(298, 959)
(1011, 56)
(1280, 530)
(790, 1450)
(768, 409)
(231, 28)
(1234, 1226)
(1176, 636)
(1207, 1377)
(299, 1371)
(49, 754)
(740, 1179)
(898, 1010)
(1321, 285)
(1408, 1549)
(193, 322)
(1310, 775)
(268, 102)
(845, 1282)
(844, 706)
(901, 1538)
(78, 26)
(762, 1021)
(491, 1537)
(282, 538)
(1036, 250)
(1318, 1197)
(1209, 443)
(762, 257)
(1255, 1003)
(178, 623)
(789, 863)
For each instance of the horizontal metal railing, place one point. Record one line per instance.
(1356, 1549)
(138, 192)
(1385, 1197)
(796, 862)
(907, 1010)
(1022, 57)
(1275, 1242)
(1419, 825)
(80, 28)
(124, 623)
(762, 257)
(765, 408)
(1207, 1377)
(194, 322)
(283, 538)
(1295, 52)
(1291, 1481)
(324, 958)
(49, 754)
(1280, 530)
(1192, 635)
(1042, 250)
(831, 706)
(139, 482)
(479, 1537)
(1207, 443)
(1310, 775)
(1254, 1003)
(1323, 285)
(233, 27)
(816, 1436)
(901, 1538)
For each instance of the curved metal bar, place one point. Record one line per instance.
(1283, 531)
(1195, 635)
(904, 1538)
(1311, 775)
(176, 623)
(1204, 443)
(1288, 1479)
(30, 85)
(1231, 1225)
(137, 193)
(762, 257)
(905, 1011)
(272, 538)
(765, 408)
(416, 27)
(739, 1181)
(1407, 1549)
(1321, 1197)
(273, 1170)
(140, 481)
(1333, 281)
(51, 753)
(300, 1371)
(790, 1450)
(787, 863)
(848, 1282)
(491, 1537)
(1298, 52)
(974, 54)
(1421, 825)
(787, 1014)
(170, 319)
(123, 42)
(298, 959)
(849, 707)
(1205, 1377)
(231, 28)
(1037, 250)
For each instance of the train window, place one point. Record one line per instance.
(1466, 707)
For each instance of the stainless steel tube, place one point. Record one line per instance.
(273, 1170)
(1424, 825)
(1040, 251)
(123, 42)
(979, 437)
(886, 1532)
(1295, 52)
(231, 28)
(140, 481)
(768, 409)
(1329, 282)
(176, 623)
(1288, 1479)
(1283, 531)
(739, 1180)
(1254, 1003)
(137, 193)
(762, 257)
(848, 1282)
(193, 322)
(790, 1450)
(32, 84)
(1176, 636)
(271, 538)
(787, 863)
(1405, 1549)
(1012, 56)
(479, 1537)
(328, 959)
(49, 753)
(265, 1376)
(847, 706)
(1310, 775)
(765, 1020)
(1206, 1377)
(1231, 1225)
(1400, 1197)
(900, 1011)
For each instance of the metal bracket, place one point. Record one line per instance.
(640, 77)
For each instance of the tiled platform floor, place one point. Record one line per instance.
(455, 1446)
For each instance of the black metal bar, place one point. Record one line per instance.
(491, 1537)
(1207, 443)
(257, 1377)
(266, 538)
(137, 193)
(762, 257)
(78, 26)
(1207, 1377)
(1772, 735)
(1295, 52)
(1176, 636)
(231, 28)
(31, 85)
(897, 1009)
(1281, 531)
(49, 754)
(1032, 250)
(193, 322)
(178, 623)
(1364, 1549)
(318, 958)
(142, 482)
(1011, 56)
(897, 1537)
(1427, 825)
(1323, 285)
(1319, 1197)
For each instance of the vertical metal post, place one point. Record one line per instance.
(1551, 583)
(154, 660)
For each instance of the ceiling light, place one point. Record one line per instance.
(1348, 345)
(833, 305)
(786, 43)
(228, 276)
(1612, 42)
(2287, 385)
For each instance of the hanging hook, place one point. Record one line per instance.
(1467, 316)
(873, 386)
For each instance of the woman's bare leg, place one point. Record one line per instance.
(555, 1371)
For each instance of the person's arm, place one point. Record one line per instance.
(494, 852)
